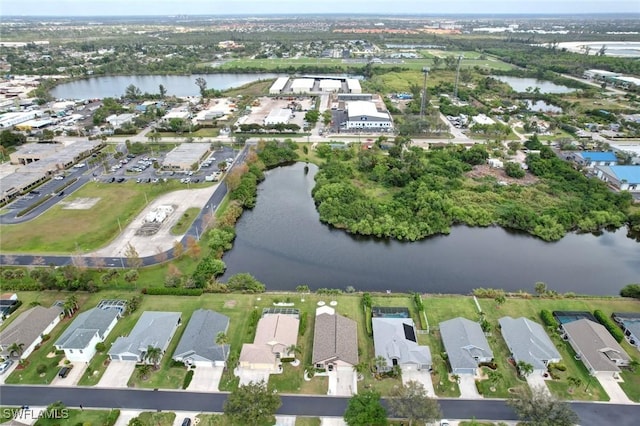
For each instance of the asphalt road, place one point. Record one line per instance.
(591, 414)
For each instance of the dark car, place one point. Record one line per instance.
(112, 180)
(64, 372)
(186, 421)
(60, 194)
(34, 192)
(120, 180)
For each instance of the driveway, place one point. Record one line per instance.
(247, 376)
(73, 377)
(332, 421)
(613, 389)
(536, 380)
(117, 374)
(343, 382)
(205, 379)
(125, 417)
(285, 421)
(468, 388)
(420, 376)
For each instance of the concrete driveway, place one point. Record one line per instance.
(536, 380)
(343, 382)
(117, 374)
(73, 377)
(468, 388)
(247, 376)
(332, 421)
(205, 379)
(125, 417)
(613, 389)
(285, 421)
(420, 376)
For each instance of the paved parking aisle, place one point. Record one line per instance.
(74, 376)
(205, 379)
(117, 374)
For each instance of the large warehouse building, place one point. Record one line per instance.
(278, 116)
(365, 115)
(278, 85)
(184, 156)
(302, 85)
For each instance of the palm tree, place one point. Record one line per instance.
(222, 339)
(380, 363)
(16, 348)
(574, 382)
(72, 301)
(294, 349)
(153, 355)
(143, 371)
(360, 368)
(524, 368)
(500, 299)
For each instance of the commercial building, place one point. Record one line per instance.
(278, 116)
(278, 85)
(329, 85)
(11, 119)
(353, 86)
(185, 156)
(624, 178)
(595, 74)
(363, 115)
(593, 158)
(302, 85)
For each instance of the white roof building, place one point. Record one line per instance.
(482, 119)
(302, 85)
(327, 85)
(278, 85)
(365, 115)
(278, 116)
(353, 86)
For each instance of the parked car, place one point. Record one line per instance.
(5, 365)
(58, 177)
(64, 372)
(186, 421)
(120, 180)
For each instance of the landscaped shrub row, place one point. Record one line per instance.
(418, 301)
(609, 325)
(303, 323)
(172, 291)
(33, 206)
(187, 379)
(547, 318)
(112, 417)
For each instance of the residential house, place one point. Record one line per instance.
(528, 342)
(335, 340)
(630, 323)
(395, 339)
(595, 346)
(28, 328)
(465, 345)
(625, 178)
(592, 159)
(153, 329)
(7, 303)
(198, 343)
(275, 334)
(89, 328)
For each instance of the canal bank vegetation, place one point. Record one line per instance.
(398, 191)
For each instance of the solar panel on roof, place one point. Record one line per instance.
(409, 332)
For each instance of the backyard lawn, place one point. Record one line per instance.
(84, 417)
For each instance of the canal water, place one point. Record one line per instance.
(283, 244)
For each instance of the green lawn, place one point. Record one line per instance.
(157, 419)
(83, 230)
(211, 420)
(631, 385)
(185, 221)
(7, 413)
(308, 421)
(84, 417)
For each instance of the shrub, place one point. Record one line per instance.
(45, 337)
(303, 323)
(489, 293)
(631, 290)
(609, 325)
(548, 319)
(187, 379)
(101, 347)
(418, 301)
(41, 369)
(172, 291)
(558, 366)
(112, 417)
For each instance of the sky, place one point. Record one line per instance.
(255, 7)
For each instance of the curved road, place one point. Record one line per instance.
(590, 413)
(115, 262)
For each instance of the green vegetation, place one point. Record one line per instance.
(84, 417)
(7, 413)
(409, 194)
(157, 419)
(631, 290)
(185, 221)
(608, 323)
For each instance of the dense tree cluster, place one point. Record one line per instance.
(409, 194)
(274, 153)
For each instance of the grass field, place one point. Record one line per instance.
(7, 413)
(157, 419)
(185, 221)
(83, 230)
(84, 417)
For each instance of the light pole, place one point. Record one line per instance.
(423, 103)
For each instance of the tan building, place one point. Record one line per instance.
(275, 334)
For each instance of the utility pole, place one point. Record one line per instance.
(455, 88)
(423, 102)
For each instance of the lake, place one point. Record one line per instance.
(178, 85)
(542, 106)
(520, 84)
(283, 244)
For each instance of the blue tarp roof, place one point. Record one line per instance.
(629, 173)
(598, 156)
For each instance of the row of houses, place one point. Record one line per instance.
(606, 166)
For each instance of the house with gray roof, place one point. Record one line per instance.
(396, 340)
(465, 345)
(28, 329)
(528, 342)
(153, 328)
(335, 340)
(89, 328)
(630, 323)
(198, 343)
(596, 347)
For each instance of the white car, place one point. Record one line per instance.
(5, 365)
(444, 422)
(59, 177)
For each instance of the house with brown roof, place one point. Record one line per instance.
(28, 329)
(335, 340)
(275, 334)
(595, 346)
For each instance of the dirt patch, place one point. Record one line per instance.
(80, 204)
(230, 304)
(485, 170)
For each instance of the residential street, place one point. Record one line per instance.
(591, 413)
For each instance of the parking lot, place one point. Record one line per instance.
(260, 112)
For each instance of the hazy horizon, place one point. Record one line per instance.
(85, 8)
